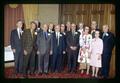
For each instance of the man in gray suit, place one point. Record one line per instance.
(44, 45)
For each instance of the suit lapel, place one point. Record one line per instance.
(16, 32)
(106, 37)
(55, 37)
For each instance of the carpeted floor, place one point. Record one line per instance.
(9, 73)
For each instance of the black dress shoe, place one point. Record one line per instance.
(25, 76)
(46, 73)
(40, 73)
(68, 71)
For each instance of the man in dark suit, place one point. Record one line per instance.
(38, 30)
(28, 41)
(108, 44)
(68, 26)
(16, 45)
(64, 58)
(50, 30)
(57, 49)
(72, 48)
(94, 27)
(44, 41)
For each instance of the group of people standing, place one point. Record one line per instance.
(52, 48)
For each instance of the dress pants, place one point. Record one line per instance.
(43, 62)
(72, 61)
(18, 56)
(29, 63)
(105, 65)
(57, 61)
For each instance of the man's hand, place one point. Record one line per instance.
(13, 50)
(25, 52)
(75, 48)
(71, 47)
(51, 52)
(38, 52)
(64, 52)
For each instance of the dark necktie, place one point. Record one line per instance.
(45, 33)
(93, 34)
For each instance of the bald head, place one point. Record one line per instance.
(45, 27)
(93, 25)
(105, 28)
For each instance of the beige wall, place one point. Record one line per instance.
(48, 13)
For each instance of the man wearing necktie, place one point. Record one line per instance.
(16, 46)
(94, 28)
(50, 30)
(58, 48)
(29, 47)
(108, 45)
(45, 33)
(44, 45)
(72, 48)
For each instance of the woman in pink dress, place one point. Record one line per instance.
(96, 52)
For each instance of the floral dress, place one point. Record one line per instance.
(85, 46)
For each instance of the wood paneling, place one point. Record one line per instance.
(11, 15)
(102, 13)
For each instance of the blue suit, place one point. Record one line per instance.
(16, 44)
(108, 44)
(57, 52)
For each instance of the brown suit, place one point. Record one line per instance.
(28, 42)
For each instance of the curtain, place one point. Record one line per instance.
(30, 13)
(12, 13)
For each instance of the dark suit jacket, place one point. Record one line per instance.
(108, 43)
(15, 41)
(61, 43)
(44, 45)
(64, 35)
(72, 41)
(28, 42)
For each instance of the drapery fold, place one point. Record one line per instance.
(30, 13)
